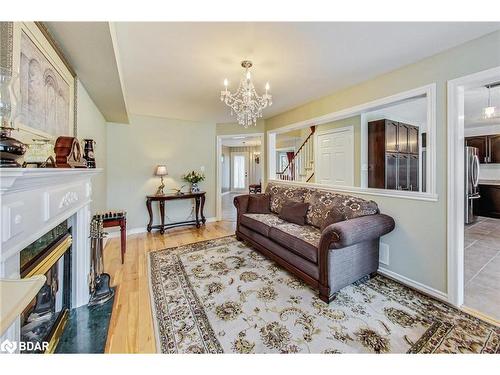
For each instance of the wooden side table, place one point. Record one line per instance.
(122, 223)
(199, 199)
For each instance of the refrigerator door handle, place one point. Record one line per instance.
(476, 171)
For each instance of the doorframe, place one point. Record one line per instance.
(350, 129)
(455, 188)
(219, 138)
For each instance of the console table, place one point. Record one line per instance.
(199, 199)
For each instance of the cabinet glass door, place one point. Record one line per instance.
(402, 138)
(413, 139)
(413, 173)
(391, 175)
(403, 172)
(391, 136)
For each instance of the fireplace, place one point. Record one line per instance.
(44, 318)
(45, 230)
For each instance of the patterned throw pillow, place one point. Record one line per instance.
(333, 207)
(320, 205)
(357, 207)
(282, 193)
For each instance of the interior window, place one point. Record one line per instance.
(382, 147)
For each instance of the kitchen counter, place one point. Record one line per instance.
(489, 182)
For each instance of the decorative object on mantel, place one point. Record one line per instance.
(194, 178)
(68, 153)
(10, 149)
(245, 102)
(88, 152)
(16, 295)
(39, 154)
(100, 289)
(161, 170)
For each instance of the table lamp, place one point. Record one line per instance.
(161, 170)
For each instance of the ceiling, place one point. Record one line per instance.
(413, 112)
(89, 49)
(475, 99)
(241, 141)
(176, 70)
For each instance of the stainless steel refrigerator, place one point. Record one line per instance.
(471, 182)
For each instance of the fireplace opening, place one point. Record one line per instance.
(44, 318)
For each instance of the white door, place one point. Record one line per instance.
(239, 171)
(335, 157)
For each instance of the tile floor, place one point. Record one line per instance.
(228, 209)
(482, 266)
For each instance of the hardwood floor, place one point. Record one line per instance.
(131, 326)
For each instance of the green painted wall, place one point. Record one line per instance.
(418, 244)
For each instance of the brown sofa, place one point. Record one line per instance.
(327, 259)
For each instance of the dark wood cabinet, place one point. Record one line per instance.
(489, 202)
(494, 146)
(481, 143)
(393, 155)
(488, 146)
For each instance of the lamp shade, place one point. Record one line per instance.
(161, 170)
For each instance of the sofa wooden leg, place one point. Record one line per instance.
(238, 237)
(324, 293)
(373, 274)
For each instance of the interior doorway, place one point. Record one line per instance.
(474, 193)
(240, 165)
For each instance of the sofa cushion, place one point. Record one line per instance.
(320, 205)
(334, 216)
(324, 205)
(294, 212)
(303, 240)
(356, 207)
(259, 204)
(260, 223)
(281, 193)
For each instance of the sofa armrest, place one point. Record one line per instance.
(241, 204)
(350, 232)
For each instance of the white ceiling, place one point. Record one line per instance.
(475, 100)
(176, 70)
(413, 112)
(241, 141)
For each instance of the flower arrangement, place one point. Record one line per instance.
(193, 177)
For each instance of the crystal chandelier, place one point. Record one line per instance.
(245, 102)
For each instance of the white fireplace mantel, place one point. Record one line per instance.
(34, 201)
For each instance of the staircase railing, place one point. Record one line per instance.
(301, 164)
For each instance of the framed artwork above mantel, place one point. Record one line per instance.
(47, 83)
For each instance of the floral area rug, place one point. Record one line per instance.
(221, 296)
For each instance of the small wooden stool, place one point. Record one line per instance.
(116, 219)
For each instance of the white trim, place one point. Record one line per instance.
(430, 93)
(350, 129)
(357, 190)
(219, 138)
(455, 189)
(414, 284)
(115, 232)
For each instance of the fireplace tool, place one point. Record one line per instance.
(100, 289)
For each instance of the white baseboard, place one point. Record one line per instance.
(414, 284)
(115, 233)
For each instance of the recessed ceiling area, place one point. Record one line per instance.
(241, 141)
(176, 70)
